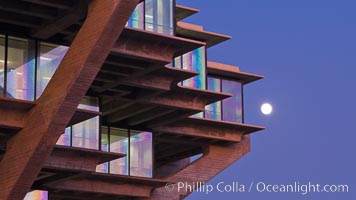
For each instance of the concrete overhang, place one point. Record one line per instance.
(231, 72)
(196, 32)
(79, 184)
(79, 158)
(214, 130)
(14, 113)
(152, 47)
(183, 12)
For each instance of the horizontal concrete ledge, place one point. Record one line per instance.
(129, 179)
(108, 186)
(179, 74)
(14, 111)
(208, 95)
(232, 72)
(196, 32)
(13, 115)
(79, 158)
(213, 130)
(152, 47)
(246, 128)
(102, 156)
(111, 177)
(183, 12)
(81, 115)
(160, 79)
(17, 104)
(8, 129)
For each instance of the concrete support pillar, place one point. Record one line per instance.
(215, 160)
(28, 149)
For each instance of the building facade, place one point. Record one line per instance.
(113, 100)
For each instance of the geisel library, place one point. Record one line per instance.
(113, 99)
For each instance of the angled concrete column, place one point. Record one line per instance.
(215, 160)
(28, 150)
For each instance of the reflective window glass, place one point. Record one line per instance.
(137, 17)
(119, 143)
(140, 153)
(194, 61)
(37, 195)
(49, 58)
(213, 111)
(65, 138)
(159, 16)
(2, 64)
(89, 103)
(86, 134)
(232, 106)
(104, 168)
(20, 81)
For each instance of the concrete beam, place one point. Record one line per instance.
(47, 30)
(28, 150)
(107, 185)
(216, 157)
(74, 158)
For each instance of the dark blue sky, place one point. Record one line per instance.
(306, 49)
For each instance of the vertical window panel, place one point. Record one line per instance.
(104, 168)
(65, 138)
(140, 153)
(20, 69)
(37, 195)
(105, 138)
(137, 145)
(232, 107)
(137, 17)
(195, 61)
(159, 16)
(119, 143)
(89, 103)
(178, 62)
(49, 58)
(86, 134)
(213, 111)
(2, 64)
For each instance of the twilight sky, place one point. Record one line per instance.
(306, 49)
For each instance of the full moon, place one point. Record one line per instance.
(266, 108)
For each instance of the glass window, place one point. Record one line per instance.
(86, 134)
(2, 64)
(104, 168)
(119, 144)
(138, 149)
(194, 61)
(105, 139)
(229, 109)
(49, 58)
(159, 16)
(140, 153)
(20, 68)
(232, 107)
(89, 103)
(178, 62)
(213, 111)
(136, 20)
(37, 195)
(64, 139)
